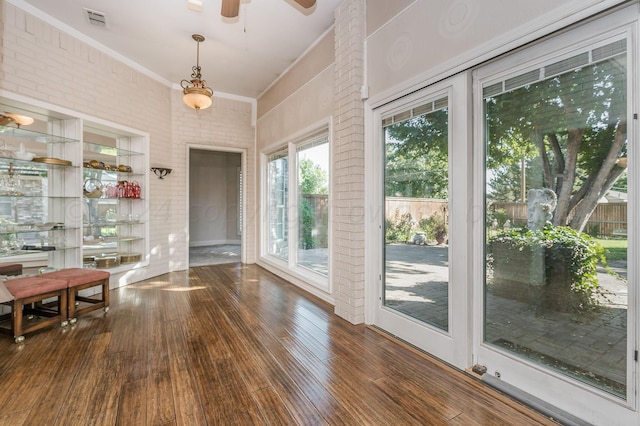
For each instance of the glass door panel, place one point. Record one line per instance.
(556, 216)
(416, 188)
(313, 205)
(278, 194)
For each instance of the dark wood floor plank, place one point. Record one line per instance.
(103, 408)
(160, 408)
(16, 418)
(234, 344)
(132, 407)
(188, 407)
(81, 393)
(272, 408)
(49, 405)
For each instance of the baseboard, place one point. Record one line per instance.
(213, 243)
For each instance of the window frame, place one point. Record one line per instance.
(313, 281)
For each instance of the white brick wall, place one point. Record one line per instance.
(41, 62)
(225, 125)
(348, 154)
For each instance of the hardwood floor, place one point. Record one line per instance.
(233, 344)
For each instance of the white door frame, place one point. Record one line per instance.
(580, 399)
(454, 345)
(243, 168)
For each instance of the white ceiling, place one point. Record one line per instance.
(242, 56)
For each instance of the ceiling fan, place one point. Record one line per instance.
(231, 8)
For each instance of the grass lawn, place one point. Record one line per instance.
(614, 249)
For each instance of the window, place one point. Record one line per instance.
(278, 231)
(298, 220)
(313, 204)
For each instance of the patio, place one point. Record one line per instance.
(590, 347)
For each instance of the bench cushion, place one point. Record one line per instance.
(77, 276)
(25, 287)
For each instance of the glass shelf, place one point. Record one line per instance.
(107, 224)
(28, 229)
(117, 174)
(111, 151)
(26, 250)
(30, 135)
(30, 168)
(33, 197)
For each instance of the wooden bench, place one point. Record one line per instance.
(78, 279)
(29, 294)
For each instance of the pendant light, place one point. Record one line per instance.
(197, 94)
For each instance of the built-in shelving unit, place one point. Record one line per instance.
(114, 181)
(72, 191)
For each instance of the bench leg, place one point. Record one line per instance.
(74, 297)
(16, 322)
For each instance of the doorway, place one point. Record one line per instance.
(422, 291)
(215, 207)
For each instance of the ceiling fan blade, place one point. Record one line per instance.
(306, 3)
(230, 8)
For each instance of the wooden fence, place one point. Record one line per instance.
(608, 219)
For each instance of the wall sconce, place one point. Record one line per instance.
(161, 172)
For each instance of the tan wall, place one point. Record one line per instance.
(304, 70)
(431, 38)
(379, 12)
(303, 108)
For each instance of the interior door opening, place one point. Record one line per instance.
(215, 207)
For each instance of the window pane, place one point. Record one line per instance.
(278, 217)
(556, 217)
(313, 207)
(416, 281)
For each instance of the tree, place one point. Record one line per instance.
(575, 124)
(313, 178)
(417, 157)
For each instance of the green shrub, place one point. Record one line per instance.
(500, 216)
(567, 252)
(307, 240)
(433, 226)
(398, 227)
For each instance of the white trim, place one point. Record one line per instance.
(213, 243)
(303, 280)
(452, 345)
(544, 25)
(243, 164)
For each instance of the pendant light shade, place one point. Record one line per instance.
(197, 94)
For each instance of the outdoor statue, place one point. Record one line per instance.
(541, 204)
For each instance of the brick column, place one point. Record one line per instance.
(348, 163)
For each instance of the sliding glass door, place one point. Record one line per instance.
(556, 139)
(424, 285)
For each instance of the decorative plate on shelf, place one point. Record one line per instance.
(49, 160)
